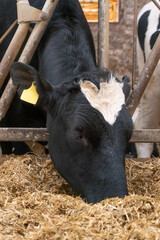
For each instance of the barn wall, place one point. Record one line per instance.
(128, 6)
(121, 39)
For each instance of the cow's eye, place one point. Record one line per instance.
(80, 137)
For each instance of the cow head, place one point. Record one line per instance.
(89, 128)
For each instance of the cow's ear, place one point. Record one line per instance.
(126, 87)
(24, 75)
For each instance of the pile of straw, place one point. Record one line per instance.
(36, 203)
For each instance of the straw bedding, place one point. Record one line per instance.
(36, 203)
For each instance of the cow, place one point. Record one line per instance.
(86, 117)
(147, 114)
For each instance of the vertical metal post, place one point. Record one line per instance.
(103, 33)
(134, 43)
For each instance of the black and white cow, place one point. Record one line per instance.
(87, 120)
(147, 114)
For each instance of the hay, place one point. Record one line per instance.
(36, 203)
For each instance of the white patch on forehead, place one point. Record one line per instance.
(108, 100)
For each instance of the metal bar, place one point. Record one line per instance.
(26, 55)
(146, 136)
(41, 134)
(144, 77)
(23, 134)
(157, 5)
(134, 43)
(103, 33)
(8, 31)
(13, 50)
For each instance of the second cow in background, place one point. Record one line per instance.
(147, 114)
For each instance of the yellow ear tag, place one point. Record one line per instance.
(30, 95)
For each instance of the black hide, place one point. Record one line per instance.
(85, 149)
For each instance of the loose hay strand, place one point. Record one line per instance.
(36, 203)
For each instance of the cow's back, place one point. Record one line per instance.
(67, 49)
(148, 29)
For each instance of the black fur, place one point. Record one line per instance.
(143, 24)
(86, 150)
